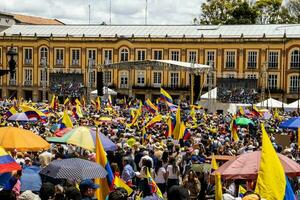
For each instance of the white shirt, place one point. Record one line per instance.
(171, 174)
(159, 177)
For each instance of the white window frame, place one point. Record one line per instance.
(124, 79)
(108, 56)
(192, 56)
(40, 75)
(210, 57)
(157, 80)
(93, 77)
(173, 78)
(124, 54)
(27, 76)
(273, 59)
(213, 76)
(91, 56)
(75, 56)
(175, 54)
(272, 81)
(156, 52)
(230, 59)
(28, 56)
(44, 54)
(107, 77)
(294, 83)
(59, 56)
(294, 59)
(140, 77)
(252, 59)
(141, 54)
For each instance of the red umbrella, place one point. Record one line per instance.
(61, 132)
(246, 166)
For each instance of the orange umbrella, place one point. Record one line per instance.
(22, 140)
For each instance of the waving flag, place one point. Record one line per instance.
(154, 120)
(271, 180)
(52, 104)
(241, 111)
(150, 107)
(242, 191)
(7, 163)
(78, 102)
(66, 120)
(154, 188)
(165, 96)
(171, 122)
(32, 112)
(218, 187)
(67, 100)
(120, 183)
(105, 183)
(172, 106)
(176, 131)
(11, 112)
(233, 128)
(184, 133)
(98, 104)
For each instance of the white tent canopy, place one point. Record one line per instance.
(294, 104)
(271, 103)
(106, 91)
(213, 94)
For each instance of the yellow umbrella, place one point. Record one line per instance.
(108, 119)
(22, 140)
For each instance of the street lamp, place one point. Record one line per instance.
(11, 56)
(44, 77)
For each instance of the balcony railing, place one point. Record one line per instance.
(28, 83)
(75, 62)
(273, 65)
(295, 65)
(59, 62)
(12, 82)
(28, 61)
(294, 90)
(230, 65)
(251, 65)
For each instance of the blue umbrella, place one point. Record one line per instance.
(30, 179)
(74, 169)
(21, 117)
(292, 123)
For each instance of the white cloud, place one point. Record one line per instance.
(123, 11)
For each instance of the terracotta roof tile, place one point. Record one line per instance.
(36, 20)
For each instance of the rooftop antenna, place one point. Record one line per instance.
(109, 12)
(146, 12)
(89, 14)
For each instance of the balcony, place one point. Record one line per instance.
(59, 62)
(295, 65)
(28, 61)
(251, 65)
(230, 65)
(13, 82)
(28, 83)
(75, 62)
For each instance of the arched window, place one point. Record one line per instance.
(43, 55)
(124, 55)
(295, 59)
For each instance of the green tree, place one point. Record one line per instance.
(294, 9)
(243, 13)
(272, 12)
(215, 11)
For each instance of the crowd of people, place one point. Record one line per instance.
(176, 166)
(237, 95)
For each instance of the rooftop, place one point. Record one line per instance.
(27, 19)
(158, 31)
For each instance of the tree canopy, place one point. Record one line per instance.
(244, 12)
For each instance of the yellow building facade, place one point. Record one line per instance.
(244, 51)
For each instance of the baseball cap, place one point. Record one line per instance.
(88, 183)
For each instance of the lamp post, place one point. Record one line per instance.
(44, 78)
(11, 55)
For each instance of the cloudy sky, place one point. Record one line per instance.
(123, 11)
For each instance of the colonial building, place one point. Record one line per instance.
(240, 51)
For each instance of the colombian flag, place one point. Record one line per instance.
(101, 159)
(7, 163)
(233, 128)
(150, 107)
(66, 120)
(172, 106)
(165, 96)
(153, 187)
(272, 182)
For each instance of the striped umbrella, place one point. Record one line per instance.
(7, 163)
(84, 137)
(74, 169)
(21, 117)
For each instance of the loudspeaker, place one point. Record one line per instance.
(197, 87)
(100, 83)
